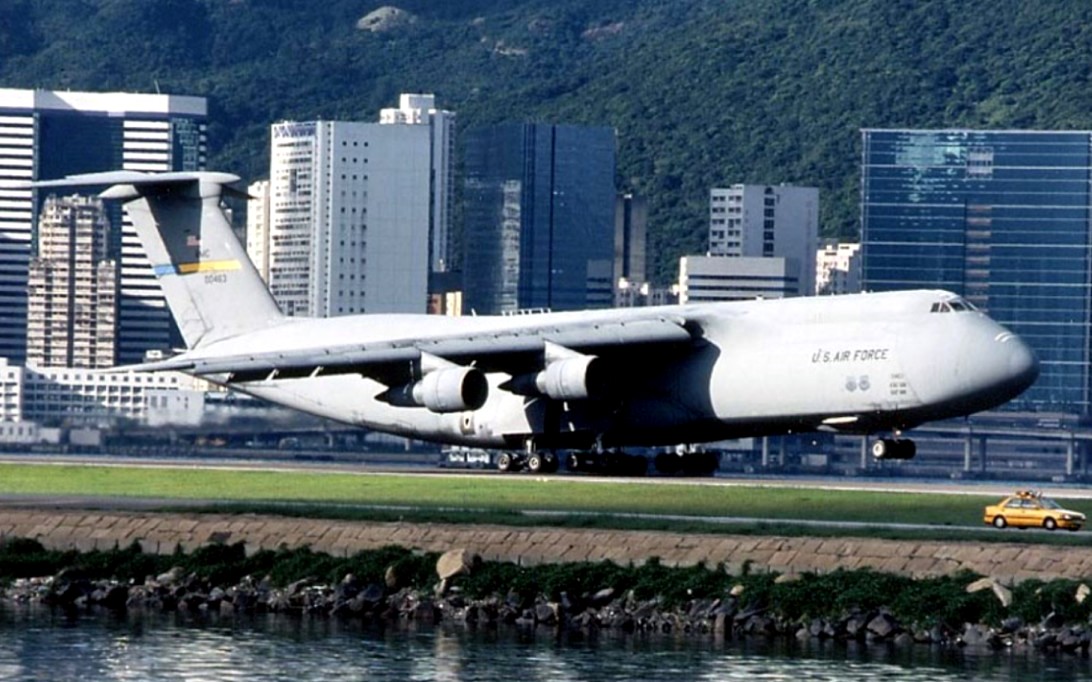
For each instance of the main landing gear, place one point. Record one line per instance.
(535, 462)
(894, 448)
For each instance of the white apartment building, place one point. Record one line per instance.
(767, 221)
(78, 396)
(257, 227)
(838, 268)
(72, 287)
(50, 134)
(703, 279)
(349, 209)
(418, 109)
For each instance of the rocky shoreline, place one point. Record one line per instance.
(721, 607)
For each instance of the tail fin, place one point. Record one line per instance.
(211, 287)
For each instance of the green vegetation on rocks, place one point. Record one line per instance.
(608, 592)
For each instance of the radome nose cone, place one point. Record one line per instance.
(1023, 365)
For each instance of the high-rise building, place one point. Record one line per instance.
(538, 217)
(415, 109)
(767, 221)
(46, 135)
(704, 279)
(630, 239)
(838, 268)
(72, 287)
(257, 227)
(1000, 217)
(349, 207)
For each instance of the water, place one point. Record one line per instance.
(39, 644)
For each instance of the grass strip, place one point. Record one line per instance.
(503, 499)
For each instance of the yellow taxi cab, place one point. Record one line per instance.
(1029, 509)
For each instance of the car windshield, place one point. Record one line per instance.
(1049, 503)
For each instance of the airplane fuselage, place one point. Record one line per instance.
(861, 363)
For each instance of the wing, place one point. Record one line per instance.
(517, 351)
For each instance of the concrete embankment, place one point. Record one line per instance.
(162, 533)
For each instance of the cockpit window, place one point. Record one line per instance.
(953, 305)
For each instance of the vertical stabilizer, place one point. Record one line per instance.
(211, 287)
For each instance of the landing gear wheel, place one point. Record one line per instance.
(505, 462)
(891, 448)
(535, 463)
(999, 521)
(880, 448)
(1050, 524)
(573, 462)
(550, 463)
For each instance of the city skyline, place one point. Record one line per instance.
(50, 134)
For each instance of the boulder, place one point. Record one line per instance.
(456, 562)
(602, 597)
(1003, 594)
(883, 626)
(1082, 593)
(546, 614)
(1052, 621)
(974, 635)
(903, 640)
(393, 577)
(171, 577)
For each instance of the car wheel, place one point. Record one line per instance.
(1049, 523)
(999, 521)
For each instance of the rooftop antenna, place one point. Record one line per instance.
(156, 82)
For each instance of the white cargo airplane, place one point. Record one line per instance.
(587, 380)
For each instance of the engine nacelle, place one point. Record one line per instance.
(453, 389)
(572, 378)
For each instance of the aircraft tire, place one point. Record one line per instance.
(505, 462)
(667, 463)
(535, 463)
(550, 463)
(907, 449)
(572, 462)
(881, 448)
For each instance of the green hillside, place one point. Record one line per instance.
(702, 92)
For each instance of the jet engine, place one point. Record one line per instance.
(450, 389)
(571, 378)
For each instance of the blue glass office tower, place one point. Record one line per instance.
(46, 135)
(538, 217)
(1001, 217)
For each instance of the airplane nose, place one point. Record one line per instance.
(1023, 366)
